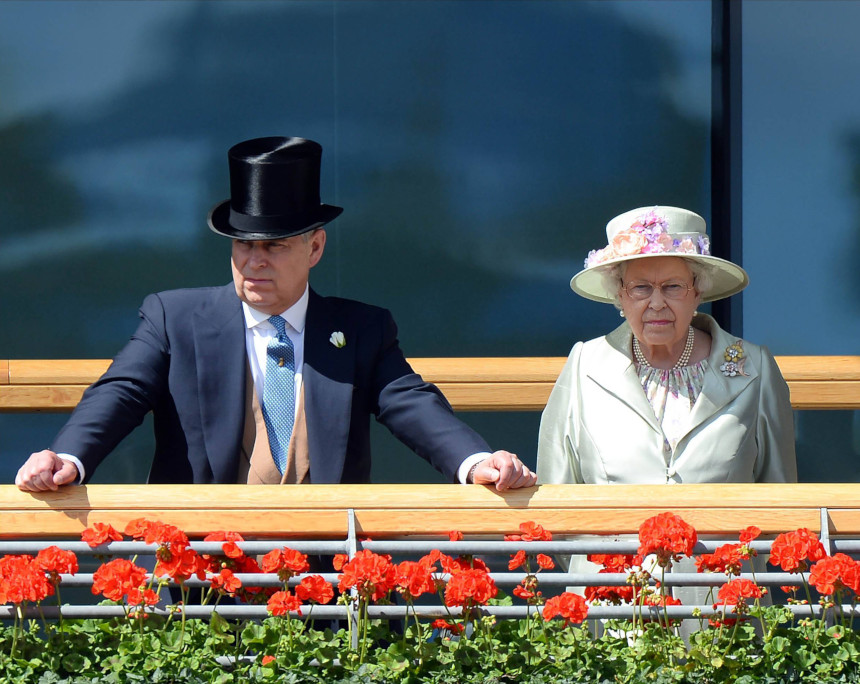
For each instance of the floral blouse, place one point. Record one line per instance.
(672, 394)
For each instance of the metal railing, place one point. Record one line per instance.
(550, 581)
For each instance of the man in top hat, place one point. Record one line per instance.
(263, 380)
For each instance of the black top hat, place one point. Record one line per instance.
(274, 190)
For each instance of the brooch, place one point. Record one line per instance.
(735, 359)
(338, 339)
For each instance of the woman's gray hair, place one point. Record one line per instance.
(614, 274)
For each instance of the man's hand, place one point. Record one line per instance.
(45, 471)
(504, 470)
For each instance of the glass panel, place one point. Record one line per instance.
(800, 203)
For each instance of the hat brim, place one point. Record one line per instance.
(219, 222)
(726, 278)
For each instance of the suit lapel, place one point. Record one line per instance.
(718, 390)
(327, 377)
(221, 357)
(613, 369)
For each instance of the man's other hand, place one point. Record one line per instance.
(45, 471)
(504, 470)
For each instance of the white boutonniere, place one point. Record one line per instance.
(337, 339)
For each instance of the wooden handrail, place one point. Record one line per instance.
(471, 384)
(396, 510)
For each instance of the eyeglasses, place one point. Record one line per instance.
(671, 289)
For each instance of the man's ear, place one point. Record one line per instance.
(317, 246)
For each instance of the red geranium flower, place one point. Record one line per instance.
(180, 564)
(749, 533)
(517, 560)
(118, 578)
(230, 550)
(615, 562)
(735, 595)
(613, 595)
(249, 565)
(520, 559)
(138, 597)
(286, 562)
(737, 591)
(314, 588)
(225, 582)
(455, 535)
(530, 531)
(571, 607)
(412, 579)
(230, 547)
(156, 532)
(834, 573)
(453, 627)
(55, 561)
(136, 529)
(520, 591)
(461, 564)
(100, 533)
(21, 579)
(792, 550)
(339, 560)
(527, 590)
(728, 558)
(371, 574)
(545, 562)
(431, 557)
(668, 537)
(271, 562)
(283, 602)
(470, 588)
(170, 539)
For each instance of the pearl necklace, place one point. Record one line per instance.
(682, 361)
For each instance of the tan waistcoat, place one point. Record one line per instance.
(256, 465)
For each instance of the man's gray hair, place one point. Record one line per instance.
(614, 274)
(307, 235)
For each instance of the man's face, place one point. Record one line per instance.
(271, 275)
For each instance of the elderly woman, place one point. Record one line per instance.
(668, 396)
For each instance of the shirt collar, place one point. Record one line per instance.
(295, 315)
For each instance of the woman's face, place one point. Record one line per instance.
(660, 319)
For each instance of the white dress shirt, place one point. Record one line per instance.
(259, 332)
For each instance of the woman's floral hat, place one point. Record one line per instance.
(652, 232)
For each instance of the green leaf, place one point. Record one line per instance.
(171, 641)
(218, 625)
(75, 662)
(804, 659)
(254, 634)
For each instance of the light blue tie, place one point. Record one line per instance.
(279, 393)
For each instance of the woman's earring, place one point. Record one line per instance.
(695, 313)
(621, 313)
